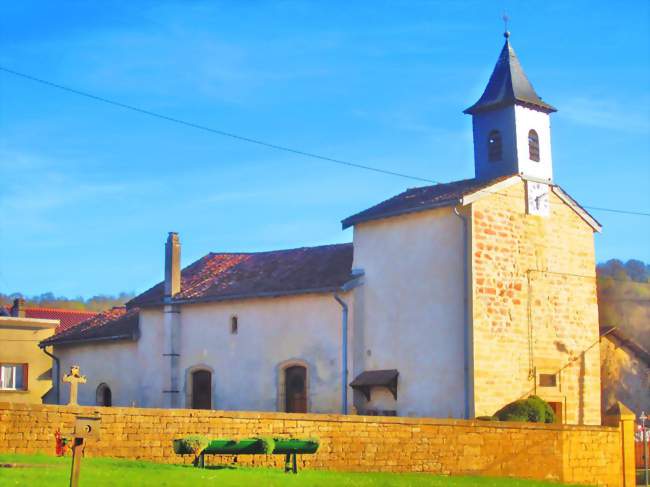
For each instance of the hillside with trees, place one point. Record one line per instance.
(624, 298)
(49, 300)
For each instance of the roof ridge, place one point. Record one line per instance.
(282, 250)
(66, 310)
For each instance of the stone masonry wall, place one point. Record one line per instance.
(579, 454)
(534, 306)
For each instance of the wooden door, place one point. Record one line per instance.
(295, 381)
(202, 389)
(557, 409)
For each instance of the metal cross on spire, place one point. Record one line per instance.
(506, 32)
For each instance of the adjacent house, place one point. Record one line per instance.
(451, 301)
(625, 371)
(25, 369)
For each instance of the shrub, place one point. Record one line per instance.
(193, 444)
(487, 418)
(268, 444)
(532, 410)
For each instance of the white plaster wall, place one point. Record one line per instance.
(130, 368)
(114, 363)
(271, 331)
(527, 119)
(246, 366)
(409, 312)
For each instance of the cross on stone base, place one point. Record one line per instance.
(74, 378)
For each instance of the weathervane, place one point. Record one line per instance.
(505, 18)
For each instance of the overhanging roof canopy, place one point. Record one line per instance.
(376, 378)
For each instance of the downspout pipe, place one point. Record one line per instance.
(344, 354)
(57, 389)
(466, 350)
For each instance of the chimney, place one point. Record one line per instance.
(18, 309)
(172, 265)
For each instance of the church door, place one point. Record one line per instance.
(295, 379)
(202, 389)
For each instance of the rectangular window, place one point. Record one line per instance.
(547, 380)
(13, 377)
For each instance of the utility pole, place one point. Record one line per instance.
(644, 439)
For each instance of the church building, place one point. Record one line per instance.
(451, 301)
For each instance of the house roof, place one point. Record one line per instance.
(223, 276)
(113, 324)
(67, 317)
(508, 85)
(420, 199)
(621, 339)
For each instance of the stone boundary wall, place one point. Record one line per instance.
(579, 454)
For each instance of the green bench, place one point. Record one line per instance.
(289, 447)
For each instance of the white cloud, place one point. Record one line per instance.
(608, 114)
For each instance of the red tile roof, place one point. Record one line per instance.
(67, 317)
(115, 322)
(222, 276)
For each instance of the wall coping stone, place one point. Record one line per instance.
(312, 417)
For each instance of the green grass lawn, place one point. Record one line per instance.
(112, 472)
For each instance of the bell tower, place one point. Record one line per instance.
(511, 124)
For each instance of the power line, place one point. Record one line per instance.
(215, 131)
(267, 144)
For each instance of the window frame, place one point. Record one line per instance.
(495, 149)
(533, 146)
(14, 367)
(544, 376)
(234, 325)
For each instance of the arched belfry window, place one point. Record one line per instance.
(533, 146)
(494, 146)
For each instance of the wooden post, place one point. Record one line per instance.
(621, 416)
(77, 453)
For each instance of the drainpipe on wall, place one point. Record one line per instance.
(466, 324)
(55, 376)
(344, 354)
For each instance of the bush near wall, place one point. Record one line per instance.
(533, 410)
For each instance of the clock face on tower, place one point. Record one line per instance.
(537, 198)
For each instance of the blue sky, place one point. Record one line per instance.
(88, 191)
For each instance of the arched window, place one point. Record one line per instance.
(293, 386)
(104, 397)
(295, 380)
(533, 146)
(494, 146)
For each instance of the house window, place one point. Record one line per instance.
(104, 396)
(547, 380)
(234, 325)
(494, 146)
(533, 146)
(13, 377)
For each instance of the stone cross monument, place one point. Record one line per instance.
(74, 378)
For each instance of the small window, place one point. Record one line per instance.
(547, 380)
(234, 325)
(104, 397)
(494, 146)
(13, 377)
(533, 146)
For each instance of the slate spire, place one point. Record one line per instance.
(508, 85)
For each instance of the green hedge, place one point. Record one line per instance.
(532, 410)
